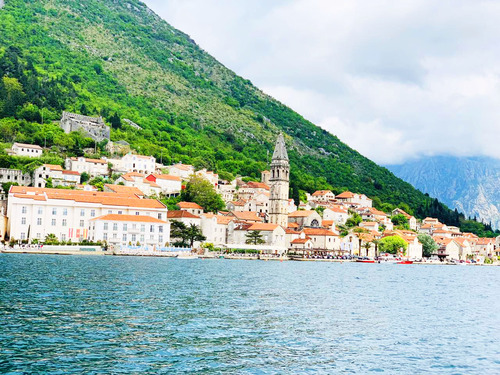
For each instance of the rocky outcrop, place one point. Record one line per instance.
(472, 185)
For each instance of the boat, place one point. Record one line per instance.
(405, 262)
(365, 260)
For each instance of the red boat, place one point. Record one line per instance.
(406, 262)
(365, 260)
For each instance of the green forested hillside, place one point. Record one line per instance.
(119, 60)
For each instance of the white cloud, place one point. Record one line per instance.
(394, 80)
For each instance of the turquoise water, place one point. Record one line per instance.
(100, 315)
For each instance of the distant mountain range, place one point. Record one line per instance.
(472, 185)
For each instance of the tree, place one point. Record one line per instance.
(392, 244)
(201, 191)
(84, 177)
(254, 238)
(400, 221)
(429, 246)
(353, 221)
(51, 239)
(185, 235)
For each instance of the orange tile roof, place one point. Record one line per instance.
(82, 196)
(318, 232)
(74, 173)
(181, 214)
(264, 227)
(129, 176)
(257, 185)
(301, 213)
(183, 167)
(345, 195)
(131, 190)
(224, 220)
(320, 193)
(300, 241)
(53, 167)
(293, 225)
(291, 231)
(247, 216)
(185, 205)
(327, 223)
(132, 218)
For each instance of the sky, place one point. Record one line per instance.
(395, 80)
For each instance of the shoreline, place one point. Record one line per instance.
(217, 257)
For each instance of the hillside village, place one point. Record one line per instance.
(126, 212)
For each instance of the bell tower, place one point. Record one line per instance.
(279, 181)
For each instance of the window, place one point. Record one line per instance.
(134, 238)
(134, 226)
(124, 227)
(152, 237)
(110, 212)
(115, 226)
(115, 235)
(23, 220)
(65, 212)
(92, 213)
(159, 216)
(124, 238)
(160, 239)
(82, 212)
(105, 236)
(105, 227)
(40, 210)
(24, 209)
(120, 212)
(137, 213)
(142, 237)
(82, 223)
(160, 228)
(53, 222)
(23, 236)
(152, 228)
(143, 228)
(63, 237)
(54, 211)
(39, 221)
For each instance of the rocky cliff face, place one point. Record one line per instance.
(472, 185)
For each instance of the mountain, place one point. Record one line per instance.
(472, 185)
(119, 60)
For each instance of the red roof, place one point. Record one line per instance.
(300, 241)
(263, 227)
(318, 232)
(302, 213)
(74, 173)
(346, 194)
(320, 193)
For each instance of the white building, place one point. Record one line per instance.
(134, 163)
(130, 230)
(93, 167)
(183, 171)
(191, 207)
(273, 235)
(14, 175)
(169, 185)
(138, 180)
(215, 228)
(37, 212)
(22, 149)
(337, 214)
(57, 174)
(360, 200)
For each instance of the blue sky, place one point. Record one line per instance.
(394, 80)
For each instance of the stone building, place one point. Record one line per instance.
(280, 177)
(94, 127)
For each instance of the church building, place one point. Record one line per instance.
(279, 184)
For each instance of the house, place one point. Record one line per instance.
(23, 149)
(56, 174)
(14, 176)
(191, 207)
(129, 230)
(323, 196)
(138, 180)
(134, 163)
(370, 225)
(350, 244)
(252, 188)
(273, 235)
(240, 205)
(337, 214)
(184, 217)
(210, 176)
(93, 167)
(323, 239)
(171, 186)
(215, 228)
(302, 244)
(305, 218)
(227, 191)
(36, 212)
(448, 248)
(183, 171)
(354, 199)
(485, 246)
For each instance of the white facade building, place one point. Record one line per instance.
(36, 212)
(57, 174)
(134, 163)
(22, 149)
(130, 230)
(94, 167)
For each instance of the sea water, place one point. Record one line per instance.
(126, 315)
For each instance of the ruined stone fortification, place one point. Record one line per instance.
(94, 127)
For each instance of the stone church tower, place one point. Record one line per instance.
(279, 181)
